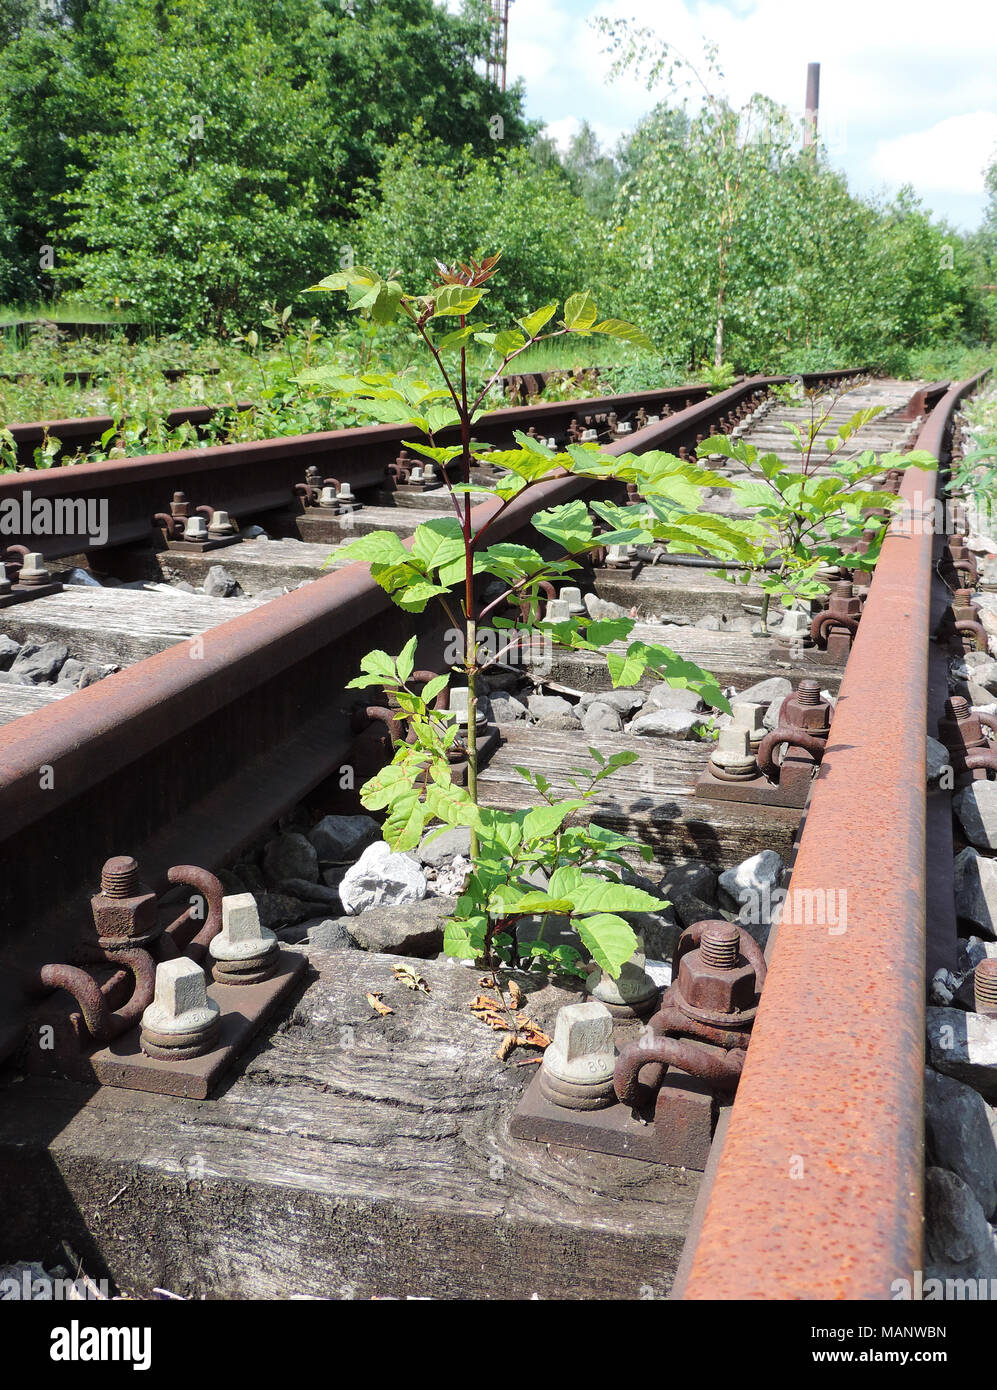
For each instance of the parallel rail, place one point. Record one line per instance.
(245, 479)
(817, 1189)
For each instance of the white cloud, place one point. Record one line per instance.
(891, 75)
(948, 157)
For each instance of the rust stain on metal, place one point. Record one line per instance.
(818, 1191)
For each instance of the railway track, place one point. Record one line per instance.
(217, 726)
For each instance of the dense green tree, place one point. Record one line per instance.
(592, 172)
(192, 158)
(428, 203)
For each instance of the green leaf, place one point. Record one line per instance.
(608, 938)
(501, 833)
(535, 446)
(433, 688)
(465, 939)
(569, 524)
(385, 307)
(406, 659)
(414, 597)
(454, 300)
(544, 821)
(379, 547)
(507, 901)
(580, 312)
(533, 323)
(626, 668)
(440, 456)
(504, 344)
(438, 542)
(406, 820)
(457, 338)
(625, 332)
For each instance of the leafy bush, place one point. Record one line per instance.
(428, 202)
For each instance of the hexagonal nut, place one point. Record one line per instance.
(843, 607)
(116, 918)
(711, 988)
(812, 718)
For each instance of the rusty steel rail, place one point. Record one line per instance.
(253, 478)
(80, 432)
(817, 1190)
(249, 480)
(193, 752)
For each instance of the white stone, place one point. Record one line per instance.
(976, 890)
(381, 878)
(506, 708)
(625, 701)
(598, 718)
(82, 576)
(543, 707)
(938, 760)
(666, 696)
(181, 1003)
(985, 673)
(976, 807)
(602, 608)
(763, 692)
(964, 1045)
(757, 875)
(450, 881)
(667, 723)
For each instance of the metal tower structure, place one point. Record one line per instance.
(499, 13)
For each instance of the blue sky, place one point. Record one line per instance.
(908, 90)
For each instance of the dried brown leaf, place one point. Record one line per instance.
(375, 1002)
(409, 978)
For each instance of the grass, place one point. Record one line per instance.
(956, 361)
(36, 359)
(62, 312)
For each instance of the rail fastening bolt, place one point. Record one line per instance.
(719, 945)
(985, 987)
(119, 877)
(577, 1068)
(181, 1021)
(243, 952)
(33, 570)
